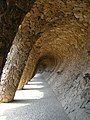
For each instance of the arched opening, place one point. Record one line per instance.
(45, 63)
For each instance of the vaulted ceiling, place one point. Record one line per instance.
(51, 37)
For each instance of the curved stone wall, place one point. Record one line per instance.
(68, 72)
(54, 40)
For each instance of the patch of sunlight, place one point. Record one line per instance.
(37, 75)
(24, 97)
(32, 83)
(20, 95)
(33, 86)
(2, 117)
(29, 94)
(7, 106)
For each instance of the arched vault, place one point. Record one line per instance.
(54, 40)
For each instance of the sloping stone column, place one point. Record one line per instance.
(13, 68)
(17, 57)
(27, 73)
(12, 13)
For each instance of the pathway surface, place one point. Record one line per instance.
(35, 102)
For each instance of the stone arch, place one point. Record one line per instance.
(66, 43)
(33, 25)
(60, 30)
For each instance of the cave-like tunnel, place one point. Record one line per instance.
(45, 45)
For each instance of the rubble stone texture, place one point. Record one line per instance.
(12, 13)
(54, 40)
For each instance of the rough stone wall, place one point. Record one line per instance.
(58, 34)
(71, 84)
(69, 76)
